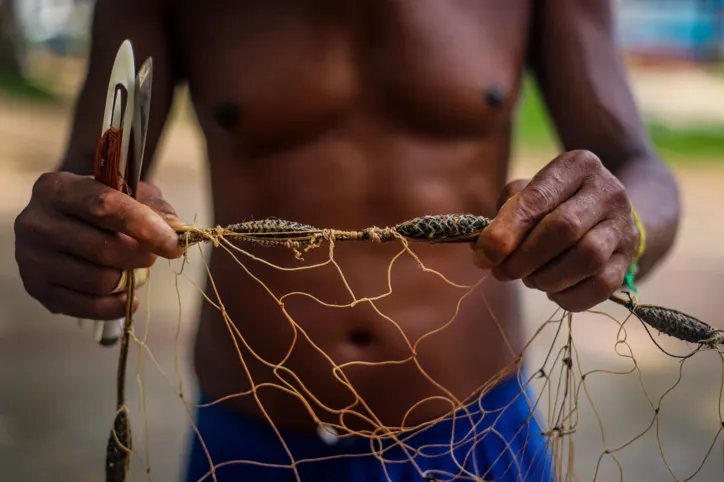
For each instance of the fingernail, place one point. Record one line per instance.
(171, 247)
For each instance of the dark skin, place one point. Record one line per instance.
(352, 114)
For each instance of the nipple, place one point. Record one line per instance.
(494, 96)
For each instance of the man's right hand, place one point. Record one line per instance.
(77, 236)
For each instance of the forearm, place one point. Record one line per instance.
(654, 194)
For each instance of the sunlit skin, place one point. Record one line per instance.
(352, 114)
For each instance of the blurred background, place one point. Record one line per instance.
(57, 386)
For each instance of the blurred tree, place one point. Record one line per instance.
(10, 40)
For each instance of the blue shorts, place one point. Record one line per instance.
(514, 450)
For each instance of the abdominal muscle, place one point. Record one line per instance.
(377, 343)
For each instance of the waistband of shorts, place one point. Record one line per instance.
(505, 398)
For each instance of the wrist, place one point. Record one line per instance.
(640, 249)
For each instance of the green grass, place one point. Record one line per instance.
(15, 86)
(689, 144)
(695, 144)
(533, 128)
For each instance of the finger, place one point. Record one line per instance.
(61, 300)
(81, 276)
(112, 210)
(552, 186)
(74, 237)
(511, 189)
(554, 234)
(594, 289)
(589, 256)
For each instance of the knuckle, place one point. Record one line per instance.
(26, 225)
(616, 192)
(594, 254)
(534, 202)
(610, 189)
(567, 226)
(536, 196)
(587, 159)
(20, 224)
(48, 182)
(102, 204)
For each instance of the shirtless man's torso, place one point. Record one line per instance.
(359, 113)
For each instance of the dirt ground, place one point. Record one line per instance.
(57, 386)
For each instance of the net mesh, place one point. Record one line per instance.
(556, 379)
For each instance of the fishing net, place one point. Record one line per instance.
(561, 386)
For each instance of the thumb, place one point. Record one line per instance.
(480, 259)
(510, 190)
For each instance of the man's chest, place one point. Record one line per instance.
(441, 67)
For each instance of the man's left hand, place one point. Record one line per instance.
(568, 232)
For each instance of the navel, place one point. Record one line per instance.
(361, 337)
(494, 96)
(227, 114)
